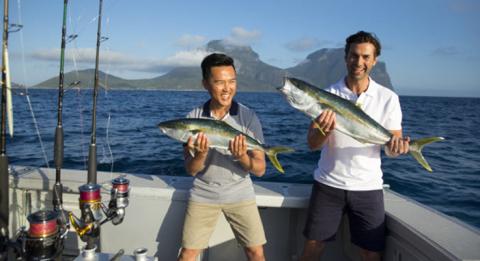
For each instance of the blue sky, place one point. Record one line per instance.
(431, 47)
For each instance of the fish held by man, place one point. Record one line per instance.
(351, 120)
(219, 134)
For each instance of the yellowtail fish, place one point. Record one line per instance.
(219, 133)
(350, 119)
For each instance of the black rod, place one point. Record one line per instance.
(59, 145)
(4, 198)
(92, 152)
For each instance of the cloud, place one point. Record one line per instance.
(190, 41)
(84, 55)
(306, 44)
(183, 58)
(122, 61)
(242, 37)
(446, 51)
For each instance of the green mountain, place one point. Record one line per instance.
(180, 78)
(321, 68)
(85, 79)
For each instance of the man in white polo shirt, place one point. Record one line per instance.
(348, 178)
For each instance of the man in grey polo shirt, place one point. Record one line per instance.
(222, 177)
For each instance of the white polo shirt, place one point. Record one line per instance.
(348, 164)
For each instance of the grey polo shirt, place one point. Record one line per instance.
(223, 180)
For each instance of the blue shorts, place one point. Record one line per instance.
(365, 210)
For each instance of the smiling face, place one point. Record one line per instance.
(222, 86)
(360, 60)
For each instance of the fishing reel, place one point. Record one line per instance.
(91, 214)
(93, 210)
(44, 238)
(119, 200)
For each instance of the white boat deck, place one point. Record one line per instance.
(154, 220)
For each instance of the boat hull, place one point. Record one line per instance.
(154, 220)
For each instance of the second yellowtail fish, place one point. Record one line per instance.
(350, 119)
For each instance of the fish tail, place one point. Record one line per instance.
(416, 147)
(272, 156)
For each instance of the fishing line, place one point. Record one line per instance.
(27, 96)
(107, 137)
(107, 6)
(92, 20)
(108, 145)
(79, 92)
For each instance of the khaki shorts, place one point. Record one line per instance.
(201, 219)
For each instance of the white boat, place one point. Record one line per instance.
(154, 220)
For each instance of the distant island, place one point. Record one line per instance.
(321, 68)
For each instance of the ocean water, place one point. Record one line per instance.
(128, 140)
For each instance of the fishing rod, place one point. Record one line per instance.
(89, 204)
(59, 142)
(91, 207)
(92, 152)
(57, 216)
(8, 248)
(4, 194)
(43, 240)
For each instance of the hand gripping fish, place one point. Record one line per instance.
(350, 119)
(219, 134)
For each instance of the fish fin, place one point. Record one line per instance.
(359, 105)
(319, 128)
(416, 147)
(194, 135)
(272, 156)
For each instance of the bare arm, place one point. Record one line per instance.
(252, 161)
(397, 144)
(196, 163)
(326, 122)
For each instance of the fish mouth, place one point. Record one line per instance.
(284, 88)
(162, 129)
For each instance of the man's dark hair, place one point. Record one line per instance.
(215, 59)
(363, 37)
